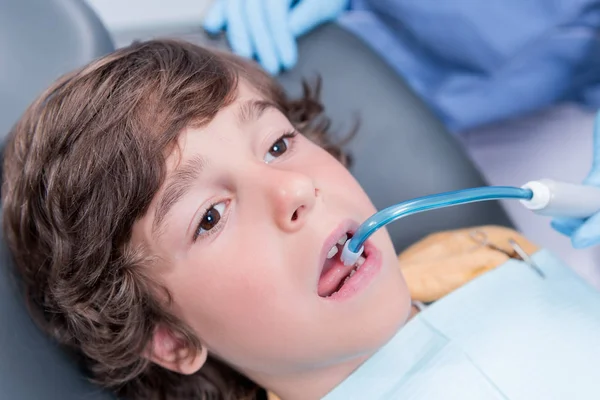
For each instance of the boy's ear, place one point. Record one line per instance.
(172, 352)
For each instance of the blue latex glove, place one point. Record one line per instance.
(268, 29)
(585, 232)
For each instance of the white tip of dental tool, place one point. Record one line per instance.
(348, 257)
(541, 196)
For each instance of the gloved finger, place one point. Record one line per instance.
(264, 45)
(588, 234)
(238, 34)
(285, 44)
(585, 232)
(566, 226)
(593, 177)
(215, 19)
(308, 14)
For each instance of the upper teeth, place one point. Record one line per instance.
(332, 252)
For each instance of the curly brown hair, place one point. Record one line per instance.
(82, 165)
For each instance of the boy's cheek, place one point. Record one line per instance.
(246, 324)
(332, 176)
(242, 301)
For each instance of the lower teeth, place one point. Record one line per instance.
(361, 260)
(357, 266)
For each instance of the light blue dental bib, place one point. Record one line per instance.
(508, 334)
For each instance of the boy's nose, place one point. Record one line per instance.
(293, 198)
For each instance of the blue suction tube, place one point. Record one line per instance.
(354, 247)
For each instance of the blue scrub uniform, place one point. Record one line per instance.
(476, 62)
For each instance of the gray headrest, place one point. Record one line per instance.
(41, 40)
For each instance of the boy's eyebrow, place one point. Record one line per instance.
(183, 178)
(176, 189)
(252, 110)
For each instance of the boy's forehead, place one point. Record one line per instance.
(246, 91)
(247, 104)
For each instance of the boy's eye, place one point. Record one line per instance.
(279, 147)
(210, 219)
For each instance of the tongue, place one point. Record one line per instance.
(334, 273)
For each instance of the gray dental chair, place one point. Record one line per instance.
(401, 151)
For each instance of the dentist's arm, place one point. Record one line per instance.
(585, 232)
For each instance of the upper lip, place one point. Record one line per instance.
(347, 226)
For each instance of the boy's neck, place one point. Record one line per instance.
(313, 384)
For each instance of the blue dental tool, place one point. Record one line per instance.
(544, 197)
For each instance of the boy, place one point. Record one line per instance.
(176, 230)
(173, 227)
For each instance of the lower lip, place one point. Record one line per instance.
(362, 277)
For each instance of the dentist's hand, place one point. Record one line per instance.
(267, 29)
(585, 232)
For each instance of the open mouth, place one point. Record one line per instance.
(335, 276)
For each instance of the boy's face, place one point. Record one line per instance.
(250, 219)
